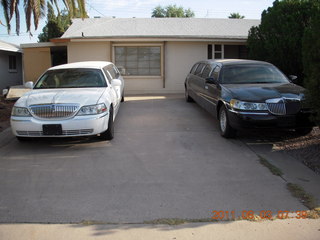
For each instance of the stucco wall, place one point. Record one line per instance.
(179, 58)
(36, 61)
(88, 51)
(9, 78)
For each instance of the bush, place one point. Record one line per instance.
(278, 39)
(311, 62)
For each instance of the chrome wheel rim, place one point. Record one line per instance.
(223, 121)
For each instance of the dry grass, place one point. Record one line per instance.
(307, 199)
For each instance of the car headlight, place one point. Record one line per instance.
(251, 106)
(92, 109)
(20, 112)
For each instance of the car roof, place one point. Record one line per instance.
(87, 64)
(236, 61)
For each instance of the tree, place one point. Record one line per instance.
(55, 25)
(311, 62)
(172, 11)
(236, 15)
(35, 9)
(278, 39)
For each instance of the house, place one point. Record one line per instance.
(10, 65)
(153, 54)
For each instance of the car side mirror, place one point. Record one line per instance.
(293, 78)
(211, 80)
(116, 83)
(29, 85)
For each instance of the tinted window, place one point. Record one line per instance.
(252, 74)
(108, 75)
(112, 72)
(206, 71)
(72, 78)
(215, 73)
(193, 69)
(199, 69)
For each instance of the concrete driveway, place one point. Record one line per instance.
(167, 160)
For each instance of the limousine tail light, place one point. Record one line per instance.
(250, 106)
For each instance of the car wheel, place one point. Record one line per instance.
(303, 131)
(109, 133)
(122, 98)
(225, 129)
(23, 139)
(186, 94)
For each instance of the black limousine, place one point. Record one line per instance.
(248, 94)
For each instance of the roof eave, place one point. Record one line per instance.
(162, 37)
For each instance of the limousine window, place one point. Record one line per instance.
(199, 69)
(193, 69)
(206, 71)
(215, 72)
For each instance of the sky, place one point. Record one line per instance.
(251, 9)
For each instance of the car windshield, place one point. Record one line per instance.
(247, 74)
(71, 78)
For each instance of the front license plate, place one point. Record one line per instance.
(52, 129)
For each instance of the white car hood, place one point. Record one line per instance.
(83, 96)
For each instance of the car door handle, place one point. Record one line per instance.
(206, 87)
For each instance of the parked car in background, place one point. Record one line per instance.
(77, 99)
(248, 94)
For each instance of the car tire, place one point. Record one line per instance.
(186, 94)
(303, 131)
(122, 97)
(225, 129)
(23, 139)
(109, 133)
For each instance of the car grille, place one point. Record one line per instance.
(283, 106)
(54, 111)
(64, 132)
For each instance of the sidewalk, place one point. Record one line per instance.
(294, 171)
(279, 229)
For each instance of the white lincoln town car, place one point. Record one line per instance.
(76, 99)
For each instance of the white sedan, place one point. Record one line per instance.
(76, 99)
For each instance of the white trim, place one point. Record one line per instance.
(156, 40)
(214, 51)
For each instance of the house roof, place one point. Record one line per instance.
(196, 28)
(5, 46)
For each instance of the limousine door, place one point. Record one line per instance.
(212, 90)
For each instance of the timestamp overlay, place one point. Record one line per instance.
(262, 214)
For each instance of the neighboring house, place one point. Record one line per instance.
(10, 65)
(153, 54)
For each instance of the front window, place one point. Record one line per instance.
(251, 74)
(71, 78)
(138, 61)
(12, 63)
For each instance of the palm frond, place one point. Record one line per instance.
(13, 4)
(6, 13)
(28, 5)
(17, 19)
(82, 8)
(55, 3)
